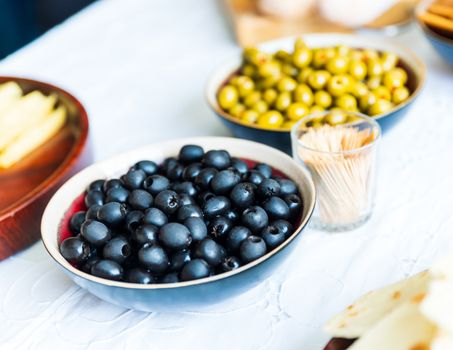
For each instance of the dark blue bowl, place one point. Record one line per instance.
(280, 138)
(190, 295)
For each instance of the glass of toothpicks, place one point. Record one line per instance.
(340, 150)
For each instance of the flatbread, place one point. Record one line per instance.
(374, 306)
(443, 341)
(405, 328)
(438, 304)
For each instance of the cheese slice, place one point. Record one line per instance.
(33, 138)
(27, 113)
(10, 93)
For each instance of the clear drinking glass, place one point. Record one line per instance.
(339, 148)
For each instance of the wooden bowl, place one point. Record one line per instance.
(27, 186)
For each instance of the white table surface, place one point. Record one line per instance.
(139, 67)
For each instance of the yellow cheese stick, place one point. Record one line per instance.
(10, 93)
(33, 138)
(28, 112)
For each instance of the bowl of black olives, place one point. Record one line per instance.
(261, 92)
(179, 224)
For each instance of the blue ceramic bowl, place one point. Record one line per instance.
(442, 44)
(190, 295)
(280, 138)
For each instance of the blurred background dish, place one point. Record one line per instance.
(435, 18)
(279, 136)
(255, 21)
(27, 185)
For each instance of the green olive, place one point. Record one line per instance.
(302, 57)
(318, 79)
(250, 53)
(269, 96)
(237, 110)
(245, 85)
(267, 83)
(388, 61)
(288, 124)
(289, 70)
(382, 92)
(303, 93)
(321, 56)
(400, 94)
(283, 101)
(370, 54)
(338, 85)
(303, 75)
(356, 55)
(323, 99)
(250, 116)
(357, 69)
(270, 119)
(255, 57)
(395, 78)
(336, 117)
(374, 82)
(252, 98)
(379, 107)
(286, 84)
(248, 70)
(299, 43)
(297, 110)
(358, 89)
(228, 96)
(367, 100)
(260, 107)
(283, 56)
(269, 69)
(346, 102)
(317, 124)
(234, 80)
(353, 118)
(374, 68)
(316, 109)
(338, 64)
(343, 50)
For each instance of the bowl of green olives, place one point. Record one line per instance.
(263, 91)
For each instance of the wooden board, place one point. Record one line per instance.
(251, 27)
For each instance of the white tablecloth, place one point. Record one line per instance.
(139, 67)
